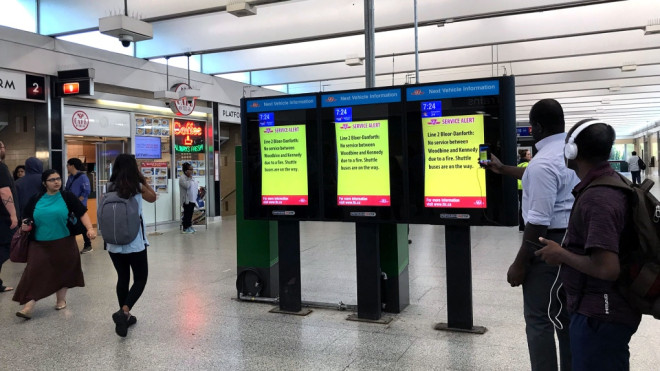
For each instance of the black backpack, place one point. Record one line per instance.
(641, 164)
(639, 280)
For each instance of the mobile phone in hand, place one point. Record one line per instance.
(535, 245)
(484, 154)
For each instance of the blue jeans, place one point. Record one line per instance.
(599, 345)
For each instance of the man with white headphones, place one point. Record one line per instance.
(546, 206)
(602, 321)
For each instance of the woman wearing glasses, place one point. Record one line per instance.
(53, 264)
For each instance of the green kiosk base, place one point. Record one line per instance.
(256, 248)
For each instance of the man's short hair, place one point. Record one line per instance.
(75, 162)
(595, 142)
(634, 153)
(185, 166)
(549, 114)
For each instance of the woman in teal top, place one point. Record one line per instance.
(53, 264)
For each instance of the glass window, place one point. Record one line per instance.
(243, 77)
(182, 62)
(19, 14)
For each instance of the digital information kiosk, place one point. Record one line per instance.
(280, 181)
(363, 181)
(385, 156)
(451, 127)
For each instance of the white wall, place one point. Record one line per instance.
(29, 52)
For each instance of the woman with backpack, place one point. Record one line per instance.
(127, 182)
(53, 264)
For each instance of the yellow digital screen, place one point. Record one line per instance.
(363, 165)
(452, 176)
(284, 165)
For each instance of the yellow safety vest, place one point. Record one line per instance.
(522, 164)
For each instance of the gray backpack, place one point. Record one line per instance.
(119, 219)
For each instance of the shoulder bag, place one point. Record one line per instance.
(18, 250)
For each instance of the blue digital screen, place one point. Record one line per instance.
(267, 119)
(147, 147)
(432, 108)
(344, 114)
(524, 131)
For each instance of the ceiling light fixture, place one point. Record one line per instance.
(629, 68)
(354, 60)
(653, 27)
(614, 88)
(241, 8)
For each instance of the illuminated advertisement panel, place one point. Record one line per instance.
(189, 136)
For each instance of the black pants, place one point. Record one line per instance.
(521, 222)
(4, 256)
(86, 240)
(123, 263)
(186, 219)
(636, 176)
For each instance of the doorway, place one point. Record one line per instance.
(97, 155)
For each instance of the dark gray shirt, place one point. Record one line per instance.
(598, 220)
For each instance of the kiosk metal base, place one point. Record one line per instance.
(303, 312)
(384, 320)
(479, 330)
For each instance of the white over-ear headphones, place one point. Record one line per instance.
(570, 148)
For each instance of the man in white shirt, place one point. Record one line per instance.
(188, 187)
(546, 207)
(633, 167)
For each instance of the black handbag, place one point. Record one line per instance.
(18, 250)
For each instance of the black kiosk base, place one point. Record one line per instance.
(459, 282)
(288, 238)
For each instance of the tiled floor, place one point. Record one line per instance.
(188, 320)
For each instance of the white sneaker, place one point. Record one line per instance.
(187, 231)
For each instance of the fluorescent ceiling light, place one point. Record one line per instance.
(652, 29)
(628, 68)
(241, 9)
(615, 88)
(354, 60)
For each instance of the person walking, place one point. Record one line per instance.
(53, 264)
(188, 187)
(128, 182)
(633, 167)
(78, 184)
(546, 206)
(8, 212)
(29, 185)
(602, 320)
